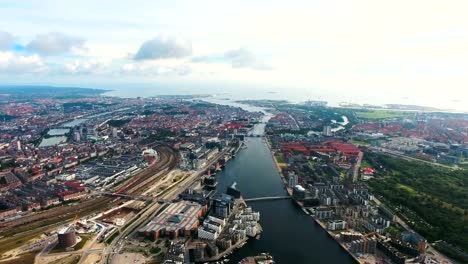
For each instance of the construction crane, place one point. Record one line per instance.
(75, 220)
(369, 234)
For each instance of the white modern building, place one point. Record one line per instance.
(207, 233)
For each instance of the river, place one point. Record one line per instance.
(289, 234)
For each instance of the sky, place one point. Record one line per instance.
(418, 48)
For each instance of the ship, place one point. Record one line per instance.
(264, 258)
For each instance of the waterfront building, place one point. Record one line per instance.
(220, 221)
(391, 252)
(205, 232)
(178, 219)
(213, 225)
(292, 180)
(224, 243)
(336, 225)
(349, 236)
(364, 246)
(323, 213)
(222, 205)
(299, 193)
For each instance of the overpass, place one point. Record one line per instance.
(269, 198)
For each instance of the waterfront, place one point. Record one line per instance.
(289, 234)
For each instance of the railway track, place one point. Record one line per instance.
(167, 161)
(24, 228)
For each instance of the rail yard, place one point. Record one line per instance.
(25, 228)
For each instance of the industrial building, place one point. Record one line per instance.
(178, 219)
(66, 237)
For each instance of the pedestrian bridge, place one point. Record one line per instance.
(269, 198)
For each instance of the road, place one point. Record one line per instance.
(409, 158)
(430, 249)
(31, 226)
(90, 249)
(34, 224)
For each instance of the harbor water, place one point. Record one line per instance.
(289, 234)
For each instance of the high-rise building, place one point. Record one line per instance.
(77, 136)
(114, 132)
(292, 180)
(222, 205)
(327, 131)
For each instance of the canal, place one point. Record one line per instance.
(289, 234)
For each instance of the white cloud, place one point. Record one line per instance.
(14, 64)
(362, 47)
(239, 58)
(87, 66)
(243, 58)
(164, 47)
(149, 69)
(6, 40)
(55, 43)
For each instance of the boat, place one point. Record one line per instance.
(241, 245)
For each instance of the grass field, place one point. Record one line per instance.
(365, 164)
(84, 238)
(380, 114)
(406, 188)
(279, 159)
(360, 142)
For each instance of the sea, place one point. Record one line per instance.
(443, 100)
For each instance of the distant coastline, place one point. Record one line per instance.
(56, 92)
(238, 94)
